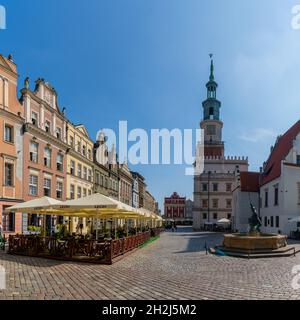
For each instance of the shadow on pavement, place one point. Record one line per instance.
(30, 261)
(197, 239)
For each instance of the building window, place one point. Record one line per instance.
(47, 157)
(272, 221)
(79, 146)
(85, 173)
(266, 197)
(204, 203)
(229, 216)
(72, 167)
(90, 192)
(79, 170)
(8, 221)
(9, 175)
(58, 133)
(204, 187)
(72, 191)
(9, 133)
(298, 159)
(90, 154)
(276, 195)
(204, 215)
(97, 178)
(59, 162)
(228, 187)
(34, 152)
(215, 187)
(34, 118)
(47, 187)
(79, 194)
(48, 126)
(228, 203)
(90, 175)
(59, 190)
(84, 150)
(215, 203)
(266, 221)
(33, 185)
(71, 141)
(84, 192)
(215, 216)
(277, 221)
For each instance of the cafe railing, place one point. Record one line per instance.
(75, 249)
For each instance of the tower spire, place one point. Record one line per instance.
(211, 77)
(211, 106)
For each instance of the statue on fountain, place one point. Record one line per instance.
(254, 221)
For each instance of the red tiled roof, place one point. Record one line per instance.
(281, 149)
(249, 181)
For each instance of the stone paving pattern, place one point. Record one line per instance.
(174, 267)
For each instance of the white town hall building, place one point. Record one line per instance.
(213, 188)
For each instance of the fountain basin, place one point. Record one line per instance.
(254, 242)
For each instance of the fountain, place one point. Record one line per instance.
(255, 244)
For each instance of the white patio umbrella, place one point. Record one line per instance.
(223, 221)
(295, 219)
(34, 206)
(99, 206)
(95, 202)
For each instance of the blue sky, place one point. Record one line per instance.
(146, 61)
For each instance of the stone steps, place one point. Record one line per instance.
(255, 254)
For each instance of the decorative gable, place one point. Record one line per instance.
(83, 130)
(46, 93)
(4, 63)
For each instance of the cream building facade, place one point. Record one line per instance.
(80, 170)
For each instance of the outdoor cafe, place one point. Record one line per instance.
(116, 229)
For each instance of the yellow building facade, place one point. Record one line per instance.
(80, 171)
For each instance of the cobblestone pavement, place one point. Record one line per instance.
(173, 267)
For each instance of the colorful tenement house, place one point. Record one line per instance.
(43, 154)
(11, 146)
(106, 168)
(80, 170)
(280, 184)
(175, 208)
(125, 184)
(141, 188)
(213, 188)
(135, 190)
(44, 150)
(149, 202)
